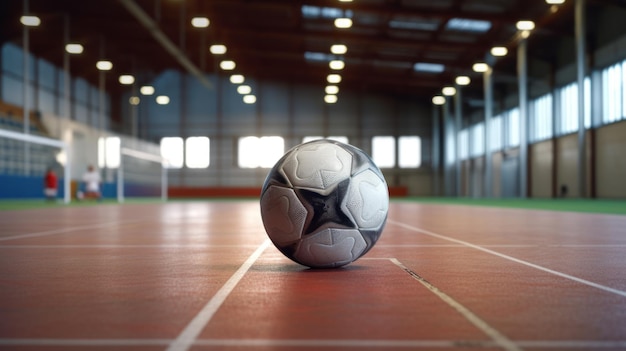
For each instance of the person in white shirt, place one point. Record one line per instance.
(92, 183)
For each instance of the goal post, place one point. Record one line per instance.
(141, 155)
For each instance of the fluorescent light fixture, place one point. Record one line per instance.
(414, 24)
(200, 22)
(218, 49)
(525, 25)
(237, 79)
(134, 100)
(74, 48)
(468, 25)
(331, 90)
(343, 22)
(104, 65)
(249, 99)
(126, 79)
(146, 90)
(429, 67)
(480, 67)
(338, 49)
(162, 99)
(333, 79)
(336, 65)
(499, 51)
(439, 100)
(462, 80)
(345, 0)
(448, 91)
(227, 65)
(330, 99)
(244, 89)
(317, 56)
(30, 21)
(555, 2)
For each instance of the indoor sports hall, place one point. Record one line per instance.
(191, 174)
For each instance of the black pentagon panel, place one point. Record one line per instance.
(326, 209)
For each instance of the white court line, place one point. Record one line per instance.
(125, 246)
(363, 343)
(188, 336)
(64, 230)
(499, 338)
(510, 258)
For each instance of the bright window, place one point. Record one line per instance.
(172, 150)
(109, 152)
(541, 118)
(463, 141)
(384, 151)
(496, 133)
(260, 152)
(477, 148)
(409, 151)
(513, 123)
(341, 139)
(197, 152)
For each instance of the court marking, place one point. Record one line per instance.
(495, 335)
(511, 258)
(189, 335)
(364, 343)
(67, 230)
(127, 246)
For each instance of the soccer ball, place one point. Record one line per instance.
(324, 204)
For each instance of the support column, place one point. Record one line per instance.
(25, 92)
(457, 129)
(522, 77)
(435, 150)
(448, 134)
(579, 14)
(488, 92)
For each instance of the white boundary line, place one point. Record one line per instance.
(126, 246)
(363, 343)
(188, 336)
(499, 338)
(65, 230)
(510, 258)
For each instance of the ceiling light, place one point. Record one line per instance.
(448, 91)
(104, 65)
(345, 0)
(74, 48)
(227, 65)
(200, 22)
(480, 67)
(555, 2)
(343, 22)
(249, 99)
(333, 78)
(439, 100)
(525, 25)
(162, 99)
(218, 49)
(126, 79)
(499, 51)
(462, 80)
(244, 89)
(30, 21)
(134, 100)
(146, 90)
(338, 49)
(330, 99)
(331, 89)
(237, 79)
(429, 67)
(336, 64)
(468, 25)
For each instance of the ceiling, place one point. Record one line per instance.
(270, 39)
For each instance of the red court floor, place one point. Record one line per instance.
(203, 276)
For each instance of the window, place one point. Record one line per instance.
(513, 132)
(463, 142)
(172, 151)
(341, 139)
(568, 106)
(477, 137)
(541, 118)
(613, 93)
(409, 152)
(384, 151)
(109, 152)
(197, 152)
(496, 133)
(260, 152)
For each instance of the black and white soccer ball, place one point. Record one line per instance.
(324, 204)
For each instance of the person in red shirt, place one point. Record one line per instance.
(50, 185)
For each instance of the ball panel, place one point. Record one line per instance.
(283, 215)
(330, 248)
(317, 166)
(367, 200)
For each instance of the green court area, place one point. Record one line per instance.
(607, 206)
(574, 205)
